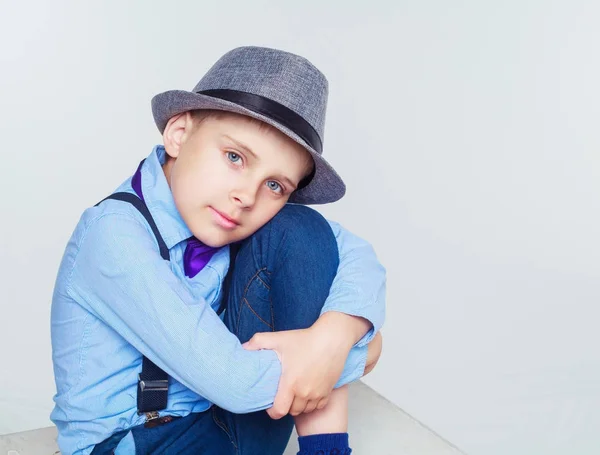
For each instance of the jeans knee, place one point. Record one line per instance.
(304, 227)
(301, 233)
(301, 219)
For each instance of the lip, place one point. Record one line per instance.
(223, 220)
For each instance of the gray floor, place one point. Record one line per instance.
(376, 427)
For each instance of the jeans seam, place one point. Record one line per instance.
(252, 279)
(255, 313)
(224, 428)
(263, 281)
(272, 313)
(244, 298)
(272, 326)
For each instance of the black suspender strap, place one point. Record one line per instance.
(143, 209)
(153, 383)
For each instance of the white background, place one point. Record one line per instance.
(467, 133)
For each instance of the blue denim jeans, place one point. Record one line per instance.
(281, 278)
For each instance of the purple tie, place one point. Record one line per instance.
(197, 254)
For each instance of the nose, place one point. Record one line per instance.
(245, 196)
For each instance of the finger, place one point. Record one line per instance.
(283, 402)
(260, 340)
(322, 403)
(298, 406)
(311, 406)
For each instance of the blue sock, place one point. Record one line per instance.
(324, 444)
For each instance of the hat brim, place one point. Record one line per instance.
(325, 187)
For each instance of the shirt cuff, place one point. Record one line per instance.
(367, 337)
(354, 367)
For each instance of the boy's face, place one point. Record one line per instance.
(229, 174)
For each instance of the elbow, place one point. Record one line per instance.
(244, 401)
(238, 400)
(246, 382)
(245, 393)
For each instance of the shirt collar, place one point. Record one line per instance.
(159, 199)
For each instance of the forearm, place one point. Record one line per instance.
(333, 418)
(359, 286)
(349, 328)
(344, 331)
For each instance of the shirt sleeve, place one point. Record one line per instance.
(122, 279)
(354, 367)
(359, 286)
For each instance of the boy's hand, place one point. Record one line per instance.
(312, 360)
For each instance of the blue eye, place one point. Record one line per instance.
(233, 157)
(274, 186)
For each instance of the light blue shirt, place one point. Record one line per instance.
(115, 298)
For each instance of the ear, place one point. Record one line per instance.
(176, 132)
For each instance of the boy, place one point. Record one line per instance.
(143, 362)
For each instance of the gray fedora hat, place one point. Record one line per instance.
(276, 87)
